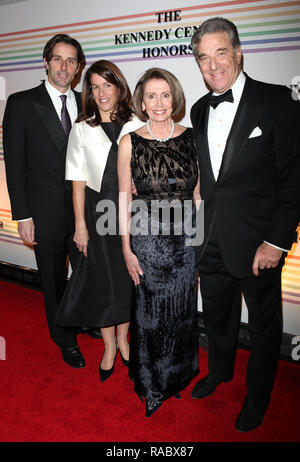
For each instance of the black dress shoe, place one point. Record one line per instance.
(94, 332)
(206, 386)
(73, 356)
(252, 414)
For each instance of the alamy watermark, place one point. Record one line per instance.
(295, 87)
(156, 217)
(296, 349)
(2, 349)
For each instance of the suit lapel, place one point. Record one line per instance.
(246, 119)
(201, 137)
(78, 101)
(47, 113)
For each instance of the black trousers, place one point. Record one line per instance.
(51, 256)
(221, 295)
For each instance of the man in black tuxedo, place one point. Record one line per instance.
(247, 138)
(36, 126)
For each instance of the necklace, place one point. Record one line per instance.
(163, 139)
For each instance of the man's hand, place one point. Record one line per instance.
(26, 231)
(266, 256)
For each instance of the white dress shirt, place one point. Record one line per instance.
(220, 121)
(57, 103)
(219, 124)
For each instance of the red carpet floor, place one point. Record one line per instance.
(44, 400)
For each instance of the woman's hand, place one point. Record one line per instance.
(133, 266)
(133, 188)
(81, 238)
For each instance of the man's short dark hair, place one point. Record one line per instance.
(63, 38)
(212, 26)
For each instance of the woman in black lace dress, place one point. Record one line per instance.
(161, 160)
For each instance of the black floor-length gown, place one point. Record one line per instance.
(100, 290)
(164, 341)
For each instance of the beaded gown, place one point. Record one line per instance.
(163, 341)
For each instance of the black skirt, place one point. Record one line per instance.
(99, 292)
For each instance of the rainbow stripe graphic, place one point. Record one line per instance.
(266, 26)
(1, 145)
(291, 275)
(8, 228)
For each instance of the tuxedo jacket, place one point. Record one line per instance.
(256, 196)
(35, 152)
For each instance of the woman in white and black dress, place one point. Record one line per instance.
(99, 291)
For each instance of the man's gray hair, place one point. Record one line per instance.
(212, 26)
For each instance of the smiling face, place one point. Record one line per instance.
(220, 65)
(157, 100)
(105, 95)
(62, 67)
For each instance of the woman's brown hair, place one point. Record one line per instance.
(178, 99)
(122, 113)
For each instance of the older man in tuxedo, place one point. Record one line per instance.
(247, 138)
(36, 126)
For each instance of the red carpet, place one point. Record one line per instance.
(44, 400)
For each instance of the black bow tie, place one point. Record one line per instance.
(214, 101)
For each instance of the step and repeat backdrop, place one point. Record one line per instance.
(136, 36)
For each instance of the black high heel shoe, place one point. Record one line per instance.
(106, 373)
(152, 406)
(124, 361)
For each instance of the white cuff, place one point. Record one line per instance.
(276, 247)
